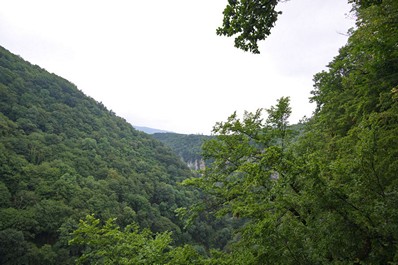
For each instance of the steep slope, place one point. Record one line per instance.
(62, 156)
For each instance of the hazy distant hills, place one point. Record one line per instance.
(149, 130)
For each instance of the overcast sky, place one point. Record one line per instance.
(160, 64)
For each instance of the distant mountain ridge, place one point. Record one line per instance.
(149, 130)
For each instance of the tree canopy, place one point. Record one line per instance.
(250, 20)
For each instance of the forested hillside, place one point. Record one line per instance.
(63, 156)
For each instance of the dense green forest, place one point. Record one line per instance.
(64, 156)
(322, 192)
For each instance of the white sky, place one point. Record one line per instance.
(160, 64)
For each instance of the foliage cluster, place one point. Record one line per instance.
(109, 244)
(250, 20)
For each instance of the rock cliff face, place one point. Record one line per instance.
(198, 164)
